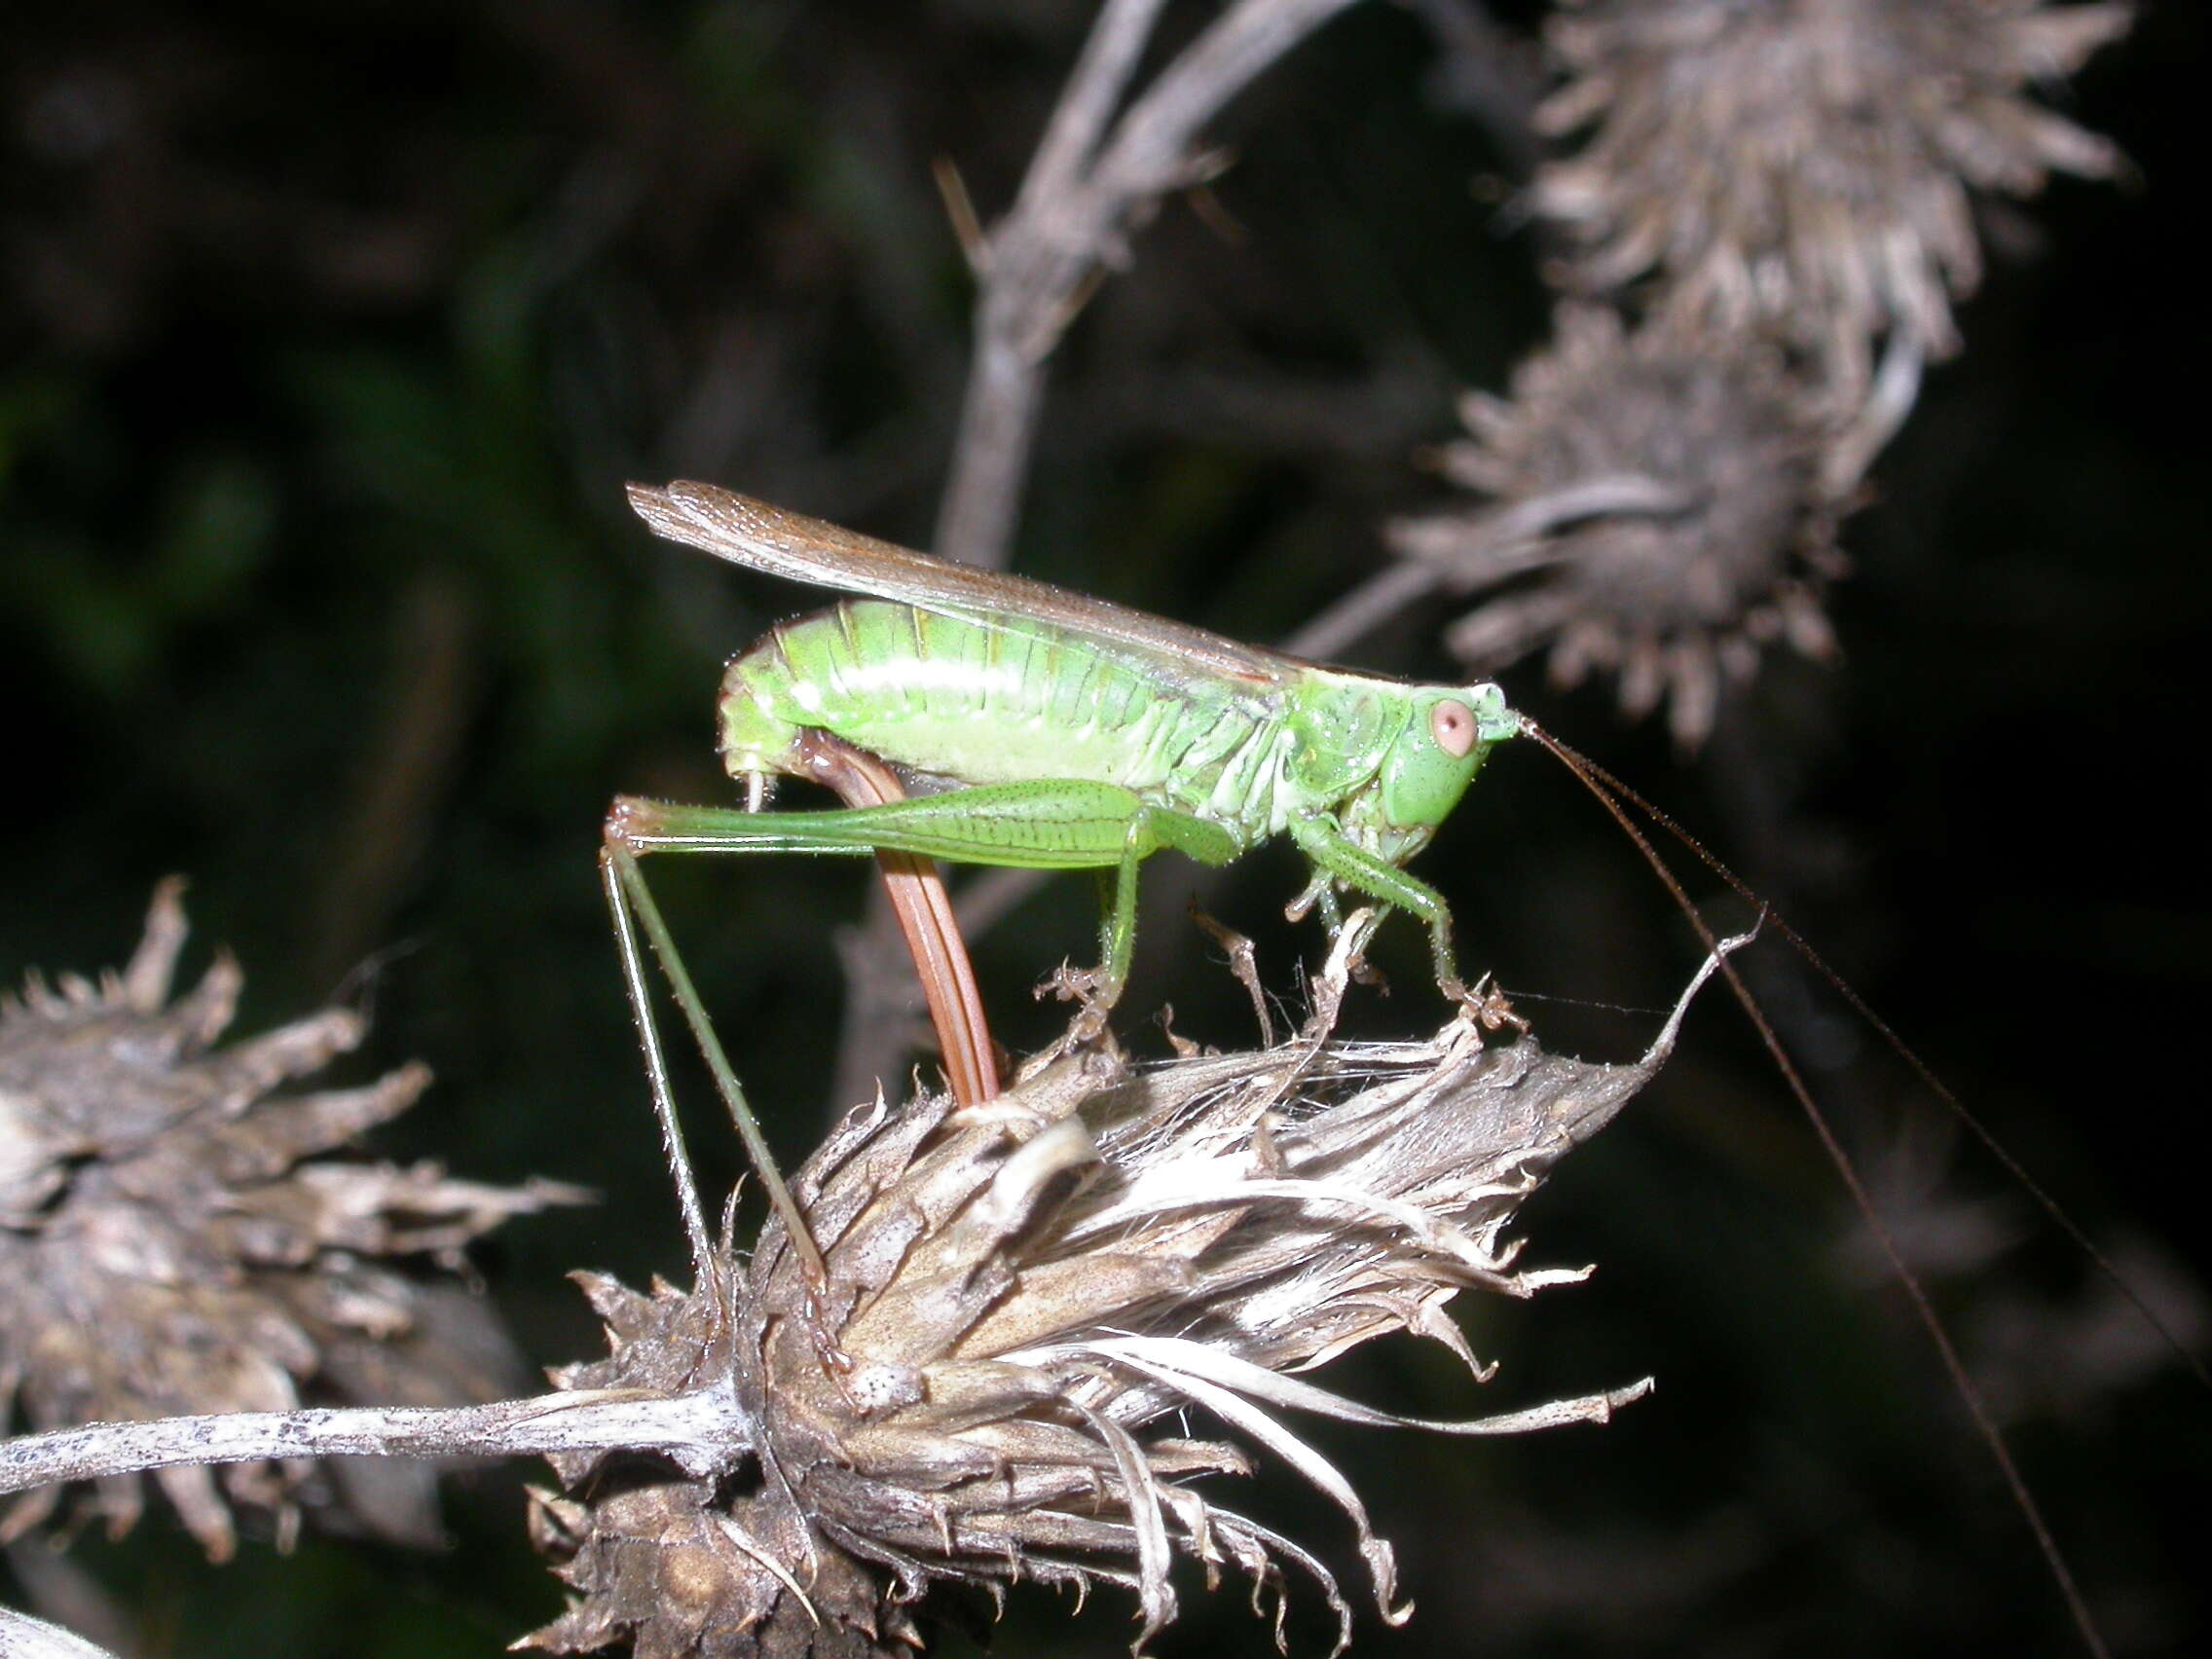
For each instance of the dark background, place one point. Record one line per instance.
(330, 335)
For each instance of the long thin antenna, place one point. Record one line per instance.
(2052, 1208)
(1603, 784)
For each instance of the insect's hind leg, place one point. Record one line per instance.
(631, 902)
(1044, 823)
(914, 889)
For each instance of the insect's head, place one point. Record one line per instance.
(1427, 770)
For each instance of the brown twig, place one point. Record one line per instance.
(1085, 192)
(1086, 188)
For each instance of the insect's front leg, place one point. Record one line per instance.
(1338, 858)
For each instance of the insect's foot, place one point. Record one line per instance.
(1084, 985)
(1089, 988)
(814, 1316)
(1484, 1004)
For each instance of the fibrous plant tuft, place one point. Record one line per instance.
(1655, 507)
(1049, 1329)
(179, 1234)
(1806, 168)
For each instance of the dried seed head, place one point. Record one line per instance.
(1658, 501)
(1024, 1304)
(1803, 166)
(172, 1241)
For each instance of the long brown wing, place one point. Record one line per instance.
(804, 549)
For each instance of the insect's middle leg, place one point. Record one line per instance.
(1151, 828)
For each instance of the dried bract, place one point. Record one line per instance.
(1027, 1307)
(172, 1239)
(1805, 165)
(1658, 506)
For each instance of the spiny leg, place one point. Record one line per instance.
(1343, 860)
(632, 900)
(1047, 824)
(656, 1068)
(1095, 990)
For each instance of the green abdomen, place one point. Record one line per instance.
(999, 704)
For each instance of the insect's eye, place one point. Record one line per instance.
(1452, 726)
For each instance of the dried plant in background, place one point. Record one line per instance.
(1095, 177)
(1658, 501)
(1805, 167)
(1025, 1307)
(1774, 191)
(173, 1238)
(1115, 147)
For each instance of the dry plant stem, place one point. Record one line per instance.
(705, 1428)
(24, 1638)
(1243, 964)
(1085, 191)
(1523, 525)
(914, 889)
(992, 450)
(1358, 613)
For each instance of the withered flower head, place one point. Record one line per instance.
(172, 1240)
(1028, 1307)
(1657, 503)
(1805, 165)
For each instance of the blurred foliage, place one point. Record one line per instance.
(329, 336)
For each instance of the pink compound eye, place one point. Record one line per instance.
(1452, 726)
